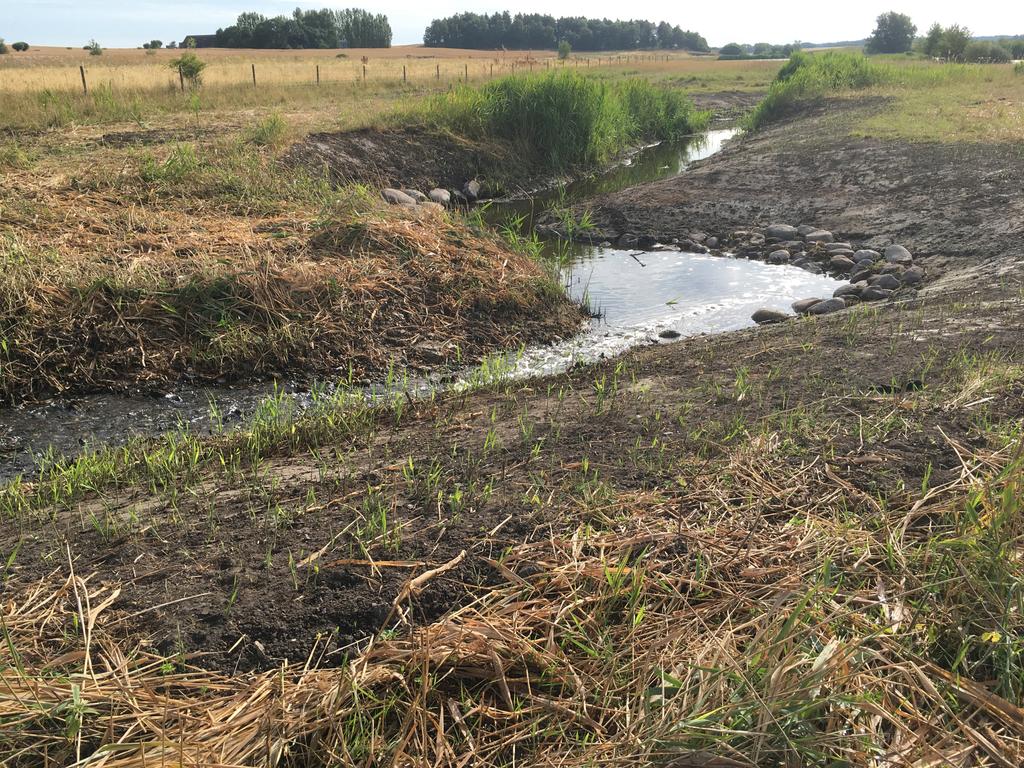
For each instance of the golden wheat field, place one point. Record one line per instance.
(52, 69)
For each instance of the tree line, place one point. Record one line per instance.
(325, 28)
(529, 31)
(757, 51)
(895, 33)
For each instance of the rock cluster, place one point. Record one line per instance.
(471, 192)
(872, 276)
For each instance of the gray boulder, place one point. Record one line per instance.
(472, 189)
(913, 276)
(669, 333)
(840, 263)
(801, 307)
(860, 275)
(886, 282)
(846, 290)
(397, 197)
(866, 255)
(781, 232)
(440, 196)
(416, 195)
(874, 293)
(832, 247)
(897, 254)
(819, 236)
(711, 242)
(780, 256)
(827, 307)
(805, 229)
(765, 315)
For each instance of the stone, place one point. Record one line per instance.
(440, 196)
(805, 229)
(780, 256)
(913, 276)
(459, 198)
(860, 275)
(866, 255)
(819, 236)
(886, 282)
(892, 269)
(832, 247)
(765, 315)
(874, 293)
(629, 240)
(416, 195)
(711, 242)
(472, 189)
(840, 263)
(897, 254)
(814, 269)
(801, 307)
(397, 197)
(781, 231)
(827, 307)
(846, 290)
(698, 237)
(669, 333)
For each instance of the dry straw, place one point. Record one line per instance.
(694, 629)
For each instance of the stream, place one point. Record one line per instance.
(637, 298)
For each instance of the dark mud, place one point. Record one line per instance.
(957, 204)
(408, 158)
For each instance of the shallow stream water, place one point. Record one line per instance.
(638, 297)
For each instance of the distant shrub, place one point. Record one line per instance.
(564, 49)
(1018, 68)
(986, 52)
(191, 68)
(94, 48)
(805, 76)
(20, 47)
(3, 47)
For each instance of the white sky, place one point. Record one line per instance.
(128, 23)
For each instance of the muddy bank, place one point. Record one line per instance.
(954, 204)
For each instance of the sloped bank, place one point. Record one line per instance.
(953, 206)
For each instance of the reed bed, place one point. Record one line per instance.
(768, 614)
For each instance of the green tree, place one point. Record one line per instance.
(20, 47)
(191, 68)
(564, 49)
(954, 42)
(3, 47)
(189, 42)
(986, 52)
(731, 50)
(94, 48)
(932, 41)
(894, 33)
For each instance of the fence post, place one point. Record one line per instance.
(85, 88)
(364, 73)
(318, 74)
(465, 73)
(438, 71)
(181, 77)
(492, 71)
(253, 75)
(405, 77)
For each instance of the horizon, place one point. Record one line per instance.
(62, 23)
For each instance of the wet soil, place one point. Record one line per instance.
(414, 158)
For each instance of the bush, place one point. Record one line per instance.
(191, 68)
(1018, 68)
(93, 48)
(20, 47)
(270, 131)
(3, 47)
(986, 52)
(563, 119)
(564, 49)
(805, 77)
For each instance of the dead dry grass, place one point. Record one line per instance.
(768, 614)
